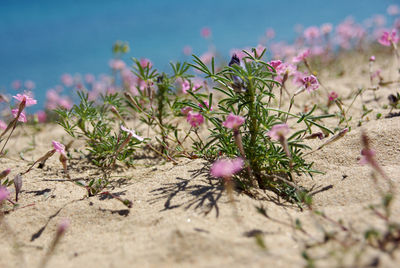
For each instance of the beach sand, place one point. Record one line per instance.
(181, 217)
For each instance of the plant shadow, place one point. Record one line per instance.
(203, 194)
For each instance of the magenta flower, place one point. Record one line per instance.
(310, 83)
(388, 38)
(4, 194)
(278, 132)
(41, 116)
(332, 96)
(29, 101)
(21, 118)
(195, 119)
(372, 58)
(3, 125)
(59, 147)
(233, 121)
(225, 168)
(275, 64)
(302, 56)
(205, 32)
(186, 110)
(144, 62)
(132, 133)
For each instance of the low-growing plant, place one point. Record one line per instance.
(261, 139)
(99, 126)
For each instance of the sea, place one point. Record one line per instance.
(42, 39)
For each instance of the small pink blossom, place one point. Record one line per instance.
(59, 147)
(187, 50)
(302, 56)
(310, 83)
(90, 78)
(21, 118)
(195, 119)
(29, 85)
(372, 58)
(132, 133)
(367, 157)
(332, 96)
(3, 125)
(4, 194)
(41, 116)
(326, 28)
(144, 62)
(279, 131)
(29, 101)
(225, 168)
(275, 64)
(388, 38)
(186, 110)
(207, 57)
(67, 80)
(233, 121)
(17, 84)
(393, 10)
(312, 33)
(63, 226)
(117, 64)
(205, 32)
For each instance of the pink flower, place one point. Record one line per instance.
(270, 33)
(225, 168)
(29, 85)
(195, 119)
(59, 147)
(233, 121)
(333, 96)
(63, 226)
(372, 58)
(187, 50)
(186, 110)
(326, 28)
(393, 10)
(302, 56)
(367, 157)
(42, 116)
(310, 83)
(29, 101)
(3, 125)
(90, 78)
(312, 33)
(144, 62)
(67, 80)
(117, 64)
(205, 32)
(275, 64)
(388, 38)
(21, 118)
(132, 133)
(278, 132)
(207, 57)
(4, 194)
(17, 84)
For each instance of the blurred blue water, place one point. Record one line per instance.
(42, 39)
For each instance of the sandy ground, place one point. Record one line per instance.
(180, 217)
